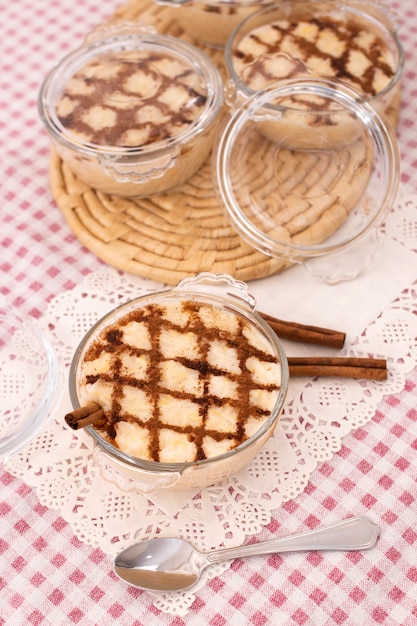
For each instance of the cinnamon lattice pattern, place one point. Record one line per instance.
(180, 382)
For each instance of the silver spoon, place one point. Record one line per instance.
(169, 564)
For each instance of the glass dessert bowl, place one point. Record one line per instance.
(314, 94)
(132, 112)
(31, 380)
(188, 383)
(353, 42)
(211, 22)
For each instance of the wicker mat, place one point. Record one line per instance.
(164, 237)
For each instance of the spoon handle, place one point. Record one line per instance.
(353, 533)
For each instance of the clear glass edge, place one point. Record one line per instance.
(383, 136)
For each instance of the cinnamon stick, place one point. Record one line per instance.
(305, 333)
(87, 415)
(347, 367)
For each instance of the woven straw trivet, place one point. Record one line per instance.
(164, 237)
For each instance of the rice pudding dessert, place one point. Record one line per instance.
(180, 381)
(328, 42)
(134, 120)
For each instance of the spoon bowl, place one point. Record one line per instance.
(172, 564)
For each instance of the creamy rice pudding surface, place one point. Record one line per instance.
(180, 381)
(345, 49)
(132, 98)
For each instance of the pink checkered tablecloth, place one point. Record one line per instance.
(49, 577)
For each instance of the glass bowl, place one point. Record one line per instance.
(306, 170)
(204, 391)
(348, 41)
(31, 380)
(132, 112)
(211, 21)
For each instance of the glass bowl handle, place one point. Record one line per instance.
(139, 169)
(157, 481)
(222, 285)
(138, 479)
(170, 3)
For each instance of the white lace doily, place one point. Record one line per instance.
(70, 476)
